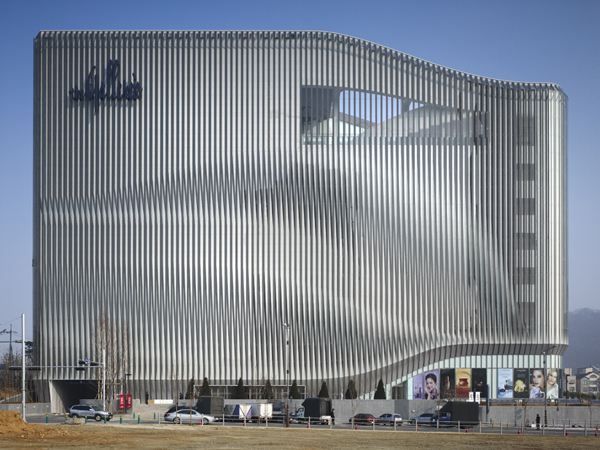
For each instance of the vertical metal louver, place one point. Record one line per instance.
(395, 212)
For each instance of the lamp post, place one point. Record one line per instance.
(288, 358)
(23, 369)
(127, 375)
(546, 389)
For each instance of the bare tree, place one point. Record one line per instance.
(10, 380)
(175, 381)
(352, 394)
(525, 406)
(113, 342)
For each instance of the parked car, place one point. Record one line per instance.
(364, 419)
(423, 419)
(187, 415)
(389, 419)
(177, 408)
(89, 411)
(445, 419)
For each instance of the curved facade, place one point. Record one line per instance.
(216, 185)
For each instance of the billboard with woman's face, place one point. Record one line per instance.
(537, 379)
(553, 379)
(431, 385)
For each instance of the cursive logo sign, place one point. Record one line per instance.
(112, 89)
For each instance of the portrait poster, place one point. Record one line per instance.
(431, 385)
(521, 383)
(479, 381)
(553, 379)
(536, 383)
(505, 383)
(447, 383)
(418, 387)
(463, 383)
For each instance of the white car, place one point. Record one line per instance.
(187, 415)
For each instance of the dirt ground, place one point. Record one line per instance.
(14, 433)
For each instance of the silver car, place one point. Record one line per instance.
(189, 415)
(389, 419)
(89, 411)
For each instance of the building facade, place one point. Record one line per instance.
(194, 191)
(587, 380)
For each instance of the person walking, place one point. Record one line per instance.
(333, 417)
(537, 421)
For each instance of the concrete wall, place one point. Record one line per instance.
(30, 408)
(406, 408)
(567, 415)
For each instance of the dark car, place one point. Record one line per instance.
(423, 419)
(445, 419)
(364, 419)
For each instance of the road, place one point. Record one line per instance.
(485, 429)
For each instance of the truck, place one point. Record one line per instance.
(238, 412)
(213, 406)
(315, 409)
(453, 413)
(261, 411)
(249, 411)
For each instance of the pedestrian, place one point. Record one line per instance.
(333, 417)
(537, 421)
(147, 396)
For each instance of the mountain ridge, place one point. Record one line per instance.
(584, 339)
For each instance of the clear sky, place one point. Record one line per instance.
(536, 41)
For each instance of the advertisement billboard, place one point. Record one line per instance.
(505, 383)
(537, 381)
(447, 377)
(463, 383)
(479, 381)
(418, 387)
(521, 383)
(431, 385)
(553, 381)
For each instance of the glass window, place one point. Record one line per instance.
(334, 115)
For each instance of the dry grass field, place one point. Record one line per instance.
(14, 433)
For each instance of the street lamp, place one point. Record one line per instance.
(127, 375)
(287, 354)
(546, 389)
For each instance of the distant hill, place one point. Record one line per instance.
(584, 339)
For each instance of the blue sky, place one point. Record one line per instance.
(536, 41)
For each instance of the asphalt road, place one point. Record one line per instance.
(129, 420)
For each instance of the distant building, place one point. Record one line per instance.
(570, 380)
(584, 380)
(587, 380)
